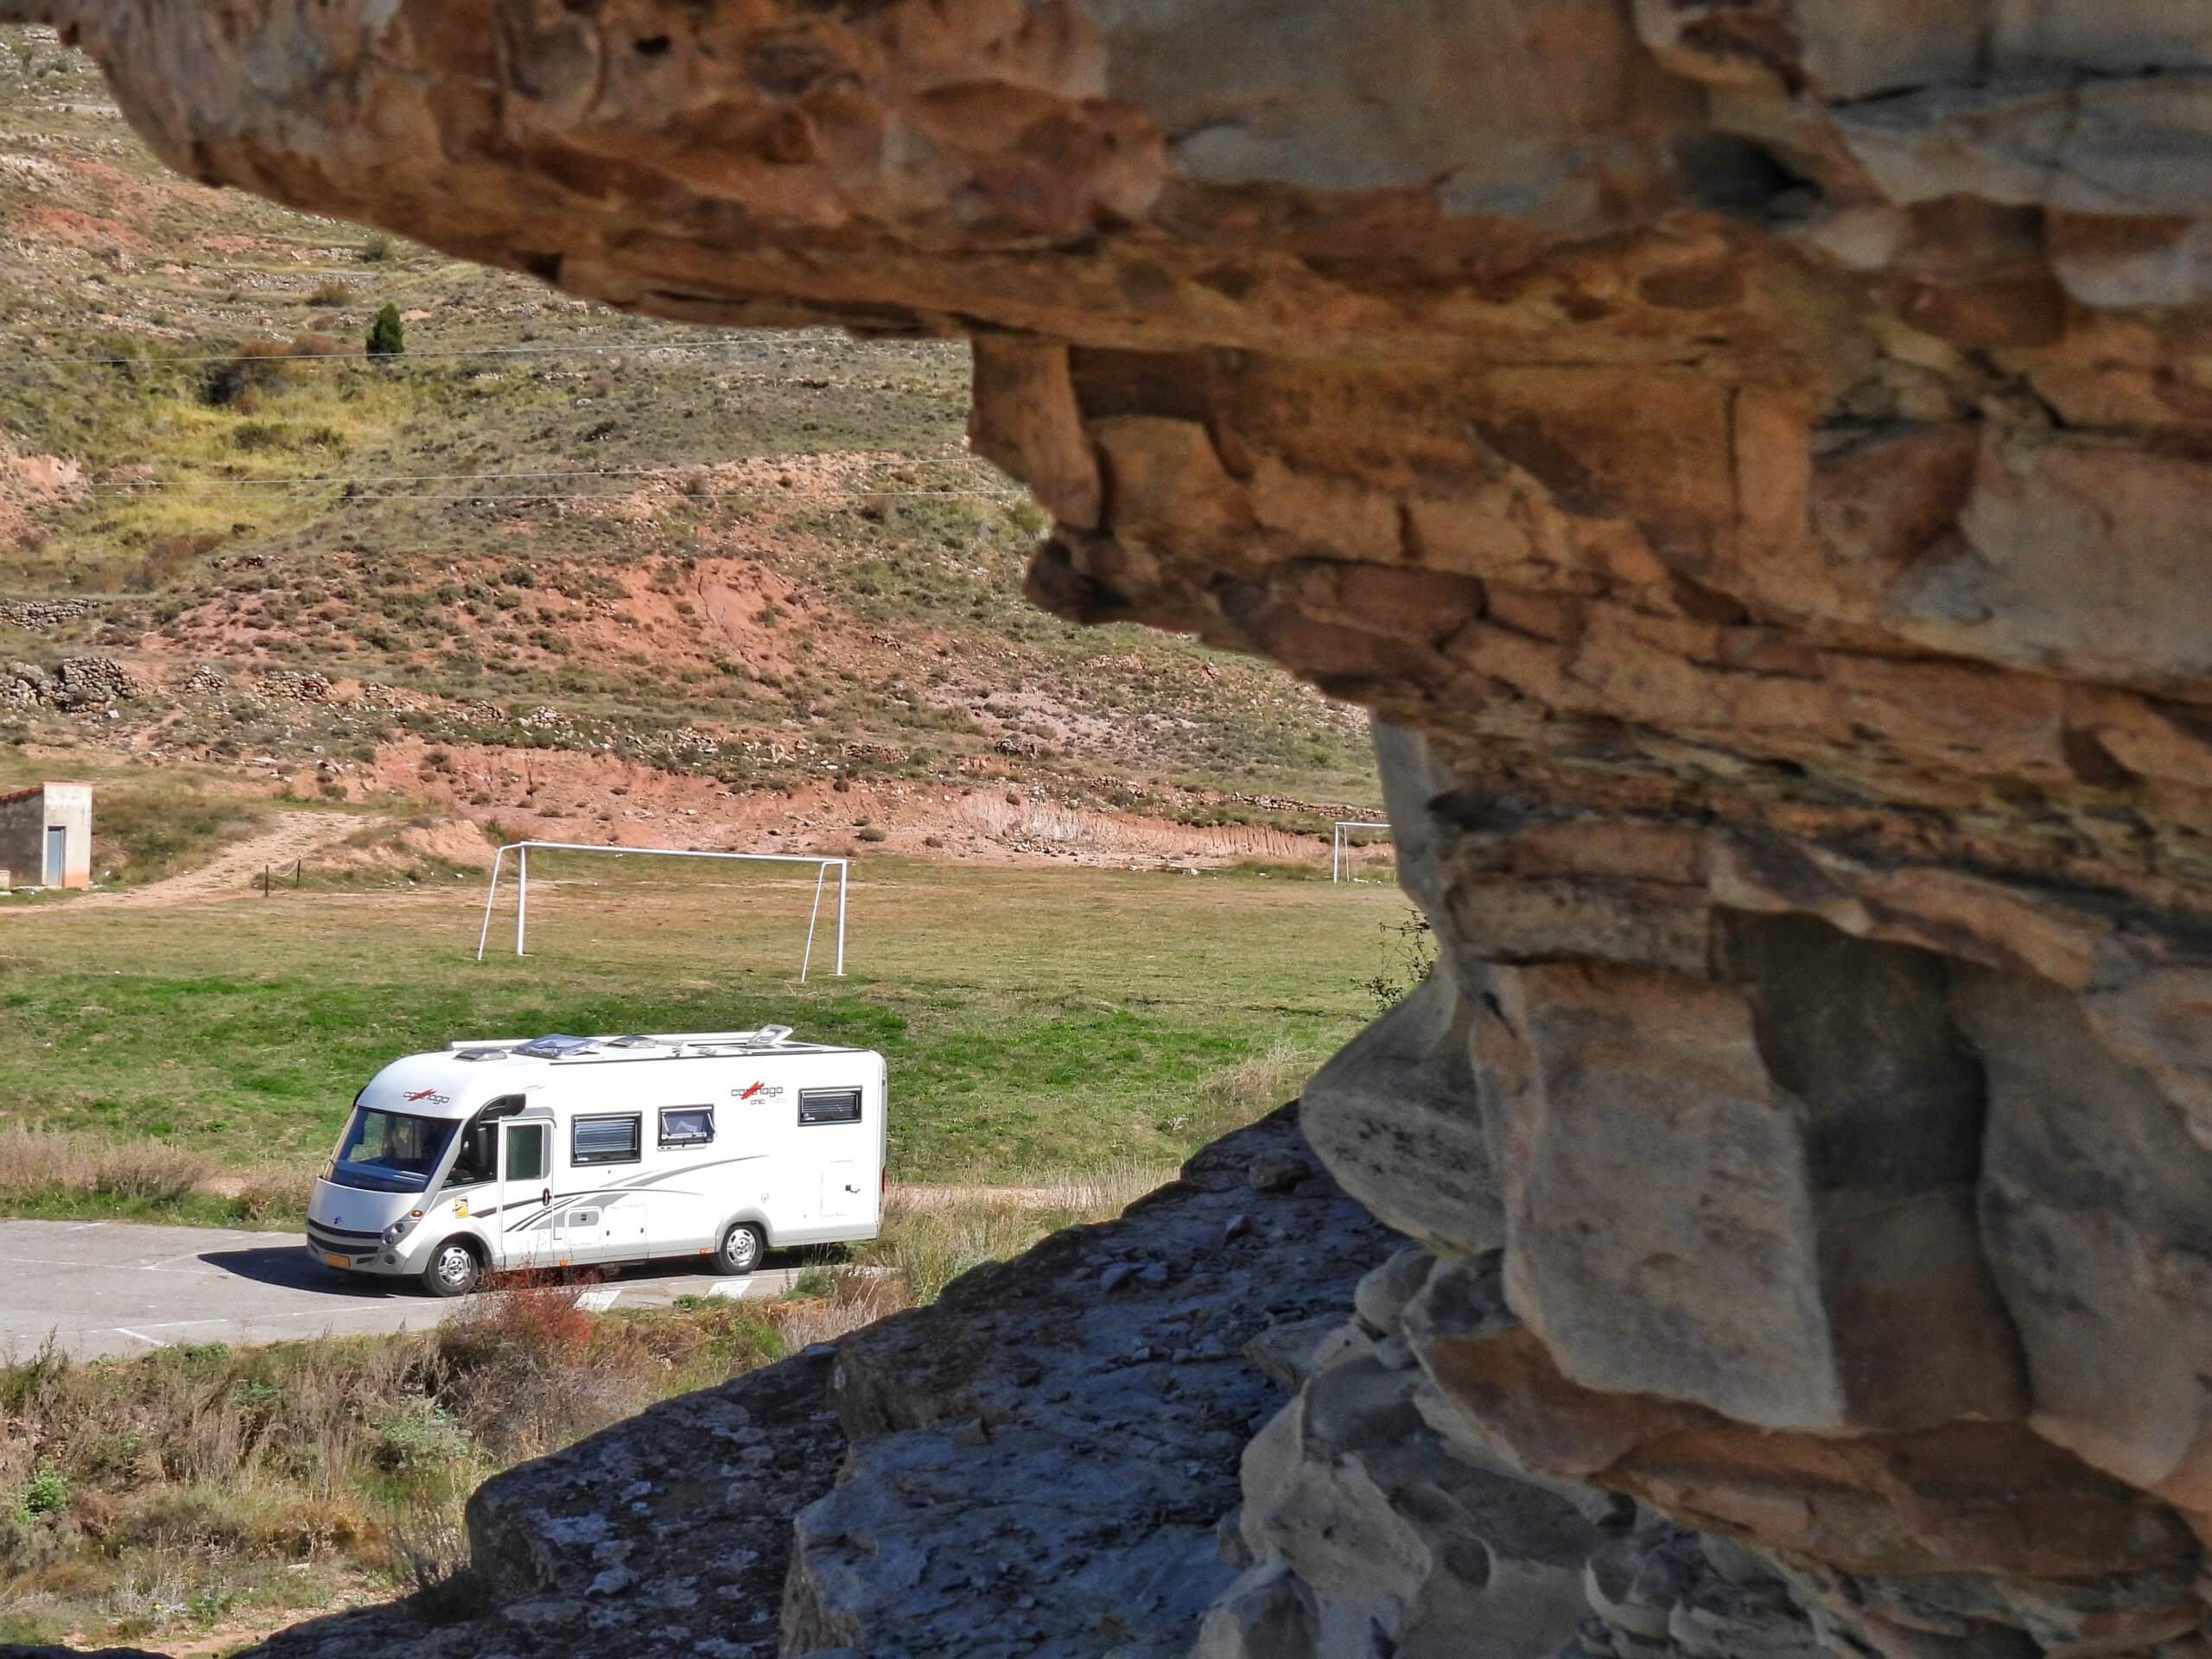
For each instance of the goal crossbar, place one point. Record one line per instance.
(1339, 833)
(522, 850)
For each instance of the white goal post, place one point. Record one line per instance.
(521, 849)
(1339, 841)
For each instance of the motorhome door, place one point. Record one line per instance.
(526, 1208)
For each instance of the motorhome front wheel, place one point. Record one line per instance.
(453, 1271)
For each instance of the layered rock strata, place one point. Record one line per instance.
(1756, 454)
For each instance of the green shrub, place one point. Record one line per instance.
(253, 367)
(1409, 951)
(386, 337)
(45, 1492)
(418, 1438)
(814, 1279)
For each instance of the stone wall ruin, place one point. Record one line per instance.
(1755, 458)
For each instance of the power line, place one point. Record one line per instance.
(676, 471)
(759, 353)
(617, 495)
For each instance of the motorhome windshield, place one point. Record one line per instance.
(391, 1151)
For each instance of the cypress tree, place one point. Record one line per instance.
(386, 337)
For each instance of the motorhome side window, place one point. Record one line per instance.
(605, 1139)
(686, 1126)
(479, 1157)
(829, 1106)
(530, 1152)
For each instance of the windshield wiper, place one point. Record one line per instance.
(377, 1180)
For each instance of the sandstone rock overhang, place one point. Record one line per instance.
(1756, 454)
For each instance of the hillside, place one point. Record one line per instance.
(553, 568)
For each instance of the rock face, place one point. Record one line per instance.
(1755, 456)
(666, 1535)
(1039, 1463)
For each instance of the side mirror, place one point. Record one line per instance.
(483, 1151)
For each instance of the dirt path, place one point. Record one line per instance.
(294, 835)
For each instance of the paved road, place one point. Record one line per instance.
(118, 1287)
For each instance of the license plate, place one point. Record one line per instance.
(337, 1261)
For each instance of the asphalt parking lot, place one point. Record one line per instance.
(121, 1288)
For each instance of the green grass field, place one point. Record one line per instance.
(1037, 1022)
(1074, 1029)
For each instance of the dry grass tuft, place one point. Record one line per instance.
(1244, 1093)
(928, 1241)
(35, 1162)
(151, 1494)
(269, 1193)
(1103, 1193)
(68, 1170)
(857, 1296)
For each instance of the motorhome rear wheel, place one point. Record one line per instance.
(742, 1247)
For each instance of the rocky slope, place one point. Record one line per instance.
(550, 539)
(1756, 454)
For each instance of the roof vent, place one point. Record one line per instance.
(557, 1047)
(636, 1039)
(482, 1054)
(773, 1036)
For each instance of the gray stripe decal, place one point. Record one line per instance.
(636, 1184)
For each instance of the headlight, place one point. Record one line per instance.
(399, 1229)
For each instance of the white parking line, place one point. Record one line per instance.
(197, 1267)
(168, 1263)
(10, 1258)
(138, 1336)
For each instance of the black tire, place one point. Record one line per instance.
(740, 1250)
(454, 1269)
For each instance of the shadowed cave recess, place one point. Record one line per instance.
(1754, 458)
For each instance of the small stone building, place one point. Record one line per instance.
(45, 836)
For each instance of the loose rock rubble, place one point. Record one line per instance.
(34, 615)
(291, 685)
(76, 684)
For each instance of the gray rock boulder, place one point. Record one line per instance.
(1038, 1467)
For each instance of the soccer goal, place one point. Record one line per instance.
(1340, 842)
(522, 850)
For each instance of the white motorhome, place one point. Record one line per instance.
(550, 1152)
